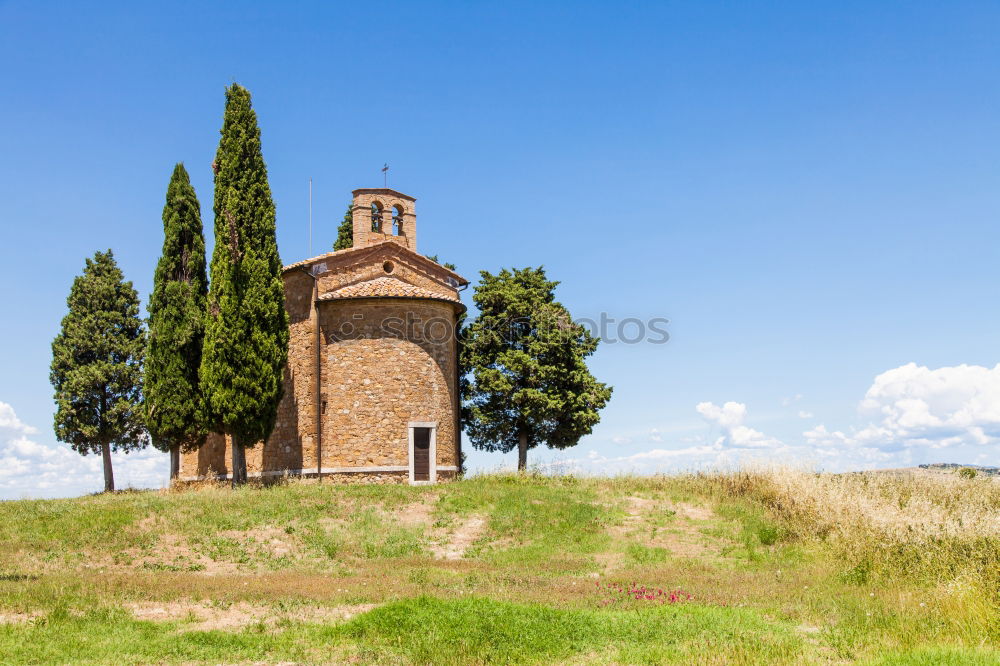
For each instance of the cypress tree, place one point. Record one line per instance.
(527, 380)
(246, 330)
(97, 365)
(173, 406)
(345, 232)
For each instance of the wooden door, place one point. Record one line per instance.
(421, 454)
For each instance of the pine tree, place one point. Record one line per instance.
(345, 232)
(246, 330)
(527, 380)
(97, 365)
(173, 405)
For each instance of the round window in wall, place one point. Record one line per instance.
(388, 267)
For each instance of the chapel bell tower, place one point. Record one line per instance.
(381, 214)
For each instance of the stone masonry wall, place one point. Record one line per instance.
(361, 213)
(375, 381)
(383, 368)
(402, 267)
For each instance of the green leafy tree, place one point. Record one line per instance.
(527, 381)
(246, 330)
(97, 365)
(345, 232)
(173, 404)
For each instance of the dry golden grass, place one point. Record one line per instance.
(939, 527)
(901, 507)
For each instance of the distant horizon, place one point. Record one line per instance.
(554, 469)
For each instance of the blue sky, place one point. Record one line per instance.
(809, 192)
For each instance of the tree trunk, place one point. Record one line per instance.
(243, 464)
(175, 462)
(109, 474)
(239, 471)
(522, 451)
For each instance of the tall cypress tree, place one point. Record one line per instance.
(528, 381)
(345, 232)
(246, 331)
(97, 365)
(173, 404)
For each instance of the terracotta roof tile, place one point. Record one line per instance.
(385, 286)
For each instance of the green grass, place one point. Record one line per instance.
(419, 630)
(543, 522)
(486, 631)
(109, 636)
(768, 585)
(639, 554)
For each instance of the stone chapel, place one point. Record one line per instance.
(371, 385)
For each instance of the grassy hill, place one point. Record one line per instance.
(770, 566)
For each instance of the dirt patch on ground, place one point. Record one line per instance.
(172, 553)
(610, 559)
(639, 507)
(18, 618)
(693, 512)
(332, 524)
(148, 524)
(636, 506)
(207, 617)
(417, 514)
(660, 524)
(453, 546)
(446, 543)
(265, 540)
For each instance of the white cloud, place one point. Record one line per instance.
(908, 413)
(913, 406)
(837, 446)
(729, 417)
(620, 440)
(645, 462)
(9, 421)
(730, 414)
(736, 443)
(785, 402)
(32, 469)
